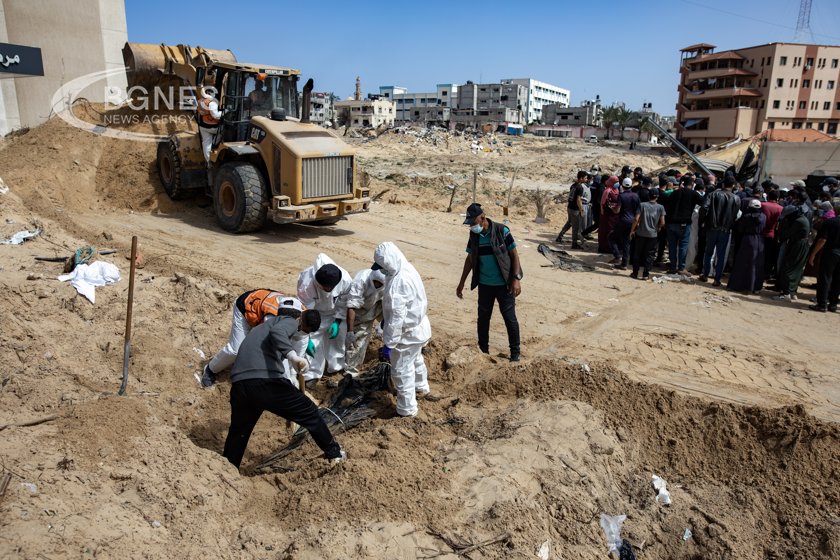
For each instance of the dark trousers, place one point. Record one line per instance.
(248, 400)
(828, 280)
(487, 297)
(678, 235)
(645, 252)
(662, 242)
(596, 217)
(771, 256)
(620, 242)
(701, 249)
(716, 243)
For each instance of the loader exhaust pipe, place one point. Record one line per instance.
(307, 96)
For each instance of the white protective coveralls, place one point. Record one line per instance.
(406, 327)
(331, 306)
(366, 300)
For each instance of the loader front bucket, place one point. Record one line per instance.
(156, 65)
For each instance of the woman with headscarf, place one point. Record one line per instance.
(610, 207)
(748, 264)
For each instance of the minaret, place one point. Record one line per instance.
(358, 95)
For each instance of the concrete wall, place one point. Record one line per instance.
(791, 161)
(9, 114)
(75, 38)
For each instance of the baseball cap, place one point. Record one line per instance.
(799, 183)
(473, 211)
(829, 181)
(627, 182)
(755, 203)
(671, 181)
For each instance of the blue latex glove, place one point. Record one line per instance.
(332, 332)
(310, 349)
(385, 354)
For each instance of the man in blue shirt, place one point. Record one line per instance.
(494, 263)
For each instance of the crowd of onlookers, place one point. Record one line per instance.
(764, 236)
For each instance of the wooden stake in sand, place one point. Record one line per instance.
(510, 190)
(127, 345)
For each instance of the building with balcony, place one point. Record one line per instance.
(538, 95)
(366, 112)
(742, 92)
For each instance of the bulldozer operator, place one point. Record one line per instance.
(208, 121)
(259, 100)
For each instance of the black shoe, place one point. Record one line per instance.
(558, 239)
(817, 307)
(484, 350)
(703, 278)
(620, 266)
(716, 283)
(514, 356)
(576, 246)
(831, 309)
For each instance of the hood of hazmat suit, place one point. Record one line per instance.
(404, 304)
(363, 294)
(332, 304)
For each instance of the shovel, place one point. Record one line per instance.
(127, 344)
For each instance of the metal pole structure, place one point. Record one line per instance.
(475, 181)
(127, 344)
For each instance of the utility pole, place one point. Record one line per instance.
(803, 23)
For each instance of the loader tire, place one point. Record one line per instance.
(240, 197)
(169, 169)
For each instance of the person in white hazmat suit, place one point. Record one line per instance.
(324, 286)
(406, 328)
(364, 311)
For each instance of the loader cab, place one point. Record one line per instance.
(254, 92)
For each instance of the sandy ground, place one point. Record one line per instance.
(733, 399)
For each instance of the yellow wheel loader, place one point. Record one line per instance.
(267, 160)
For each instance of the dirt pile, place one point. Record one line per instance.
(516, 454)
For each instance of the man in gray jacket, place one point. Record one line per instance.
(258, 383)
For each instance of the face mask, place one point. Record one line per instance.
(826, 189)
(476, 228)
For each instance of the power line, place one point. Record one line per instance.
(727, 12)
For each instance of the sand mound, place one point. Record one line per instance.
(518, 454)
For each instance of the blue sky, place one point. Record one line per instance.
(623, 51)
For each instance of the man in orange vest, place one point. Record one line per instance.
(208, 120)
(250, 310)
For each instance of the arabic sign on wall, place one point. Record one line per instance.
(17, 61)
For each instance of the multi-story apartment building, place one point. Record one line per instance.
(321, 107)
(366, 112)
(540, 94)
(588, 114)
(422, 107)
(482, 103)
(742, 92)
